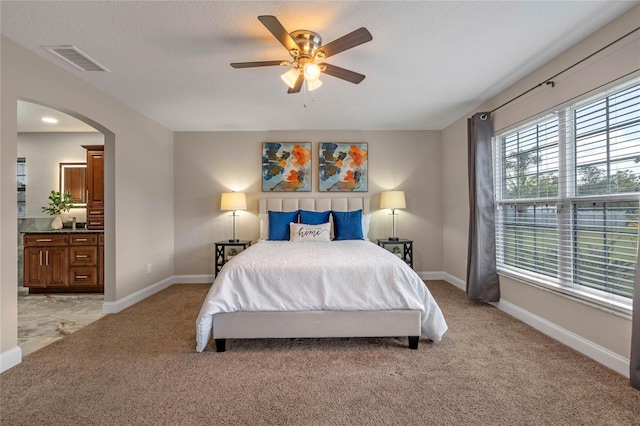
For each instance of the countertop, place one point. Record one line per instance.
(64, 231)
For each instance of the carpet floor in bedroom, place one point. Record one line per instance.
(140, 367)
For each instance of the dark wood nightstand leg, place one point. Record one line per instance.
(221, 345)
(413, 342)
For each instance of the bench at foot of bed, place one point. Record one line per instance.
(221, 344)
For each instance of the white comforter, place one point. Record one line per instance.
(305, 276)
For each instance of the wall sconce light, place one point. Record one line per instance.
(233, 201)
(393, 200)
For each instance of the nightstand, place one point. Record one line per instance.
(406, 253)
(223, 255)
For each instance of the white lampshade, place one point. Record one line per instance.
(233, 201)
(392, 200)
(290, 77)
(313, 84)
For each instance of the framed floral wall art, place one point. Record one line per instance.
(286, 166)
(343, 167)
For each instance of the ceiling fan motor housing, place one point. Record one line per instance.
(308, 42)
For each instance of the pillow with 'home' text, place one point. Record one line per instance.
(301, 232)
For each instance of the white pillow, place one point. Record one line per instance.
(264, 226)
(366, 219)
(310, 233)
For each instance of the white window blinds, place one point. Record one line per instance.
(568, 194)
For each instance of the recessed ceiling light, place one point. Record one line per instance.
(49, 120)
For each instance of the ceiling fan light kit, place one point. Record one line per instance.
(305, 47)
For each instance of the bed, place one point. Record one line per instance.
(324, 288)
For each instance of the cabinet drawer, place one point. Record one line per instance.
(83, 255)
(83, 239)
(83, 276)
(95, 223)
(46, 240)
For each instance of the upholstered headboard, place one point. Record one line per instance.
(342, 204)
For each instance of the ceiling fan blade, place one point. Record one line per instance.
(278, 31)
(298, 86)
(255, 64)
(353, 39)
(350, 76)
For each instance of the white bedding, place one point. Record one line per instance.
(338, 275)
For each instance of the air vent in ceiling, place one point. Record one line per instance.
(76, 57)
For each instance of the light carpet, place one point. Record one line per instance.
(140, 367)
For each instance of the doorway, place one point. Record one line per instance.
(42, 146)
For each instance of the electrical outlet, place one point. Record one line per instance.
(148, 268)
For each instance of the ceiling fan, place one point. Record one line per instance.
(306, 48)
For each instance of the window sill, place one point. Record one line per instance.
(612, 307)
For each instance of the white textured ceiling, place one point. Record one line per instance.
(430, 62)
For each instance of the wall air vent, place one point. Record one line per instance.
(76, 57)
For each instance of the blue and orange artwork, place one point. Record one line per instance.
(286, 166)
(343, 167)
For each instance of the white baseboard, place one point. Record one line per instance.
(455, 281)
(132, 299)
(10, 358)
(430, 275)
(604, 356)
(600, 354)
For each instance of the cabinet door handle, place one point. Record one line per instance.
(81, 256)
(40, 256)
(82, 277)
(46, 257)
(95, 223)
(81, 239)
(44, 240)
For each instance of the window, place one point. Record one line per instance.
(568, 197)
(22, 187)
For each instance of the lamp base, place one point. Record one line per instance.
(234, 241)
(394, 238)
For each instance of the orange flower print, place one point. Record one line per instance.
(303, 156)
(358, 156)
(350, 176)
(293, 177)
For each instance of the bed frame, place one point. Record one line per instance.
(315, 324)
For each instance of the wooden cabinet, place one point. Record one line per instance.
(63, 262)
(95, 186)
(101, 260)
(83, 260)
(46, 260)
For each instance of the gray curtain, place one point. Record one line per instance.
(482, 277)
(634, 362)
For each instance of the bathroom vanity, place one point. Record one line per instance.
(64, 261)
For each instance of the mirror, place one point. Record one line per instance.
(73, 179)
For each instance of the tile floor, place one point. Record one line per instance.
(45, 318)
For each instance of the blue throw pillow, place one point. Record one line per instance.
(314, 218)
(347, 225)
(279, 224)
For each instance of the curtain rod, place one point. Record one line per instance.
(549, 81)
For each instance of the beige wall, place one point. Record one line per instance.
(609, 331)
(209, 163)
(138, 179)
